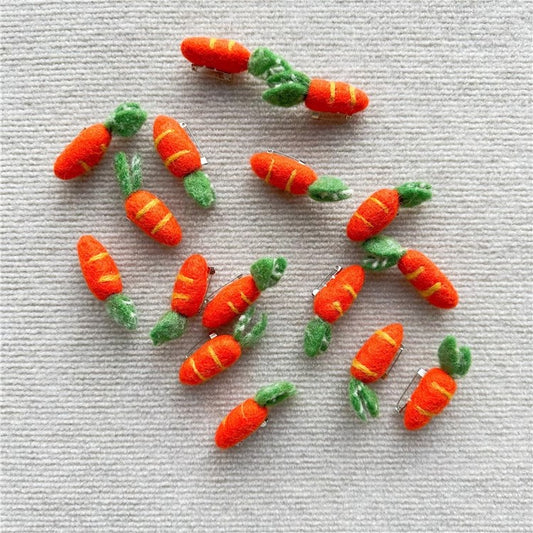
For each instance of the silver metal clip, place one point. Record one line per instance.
(286, 155)
(337, 118)
(210, 295)
(185, 126)
(393, 362)
(324, 282)
(213, 73)
(212, 335)
(400, 405)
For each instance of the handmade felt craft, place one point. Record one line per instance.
(330, 303)
(103, 279)
(370, 364)
(437, 386)
(380, 209)
(182, 158)
(188, 296)
(420, 271)
(143, 208)
(234, 298)
(248, 416)
(222, 351)
(296, 178)
(88, 148)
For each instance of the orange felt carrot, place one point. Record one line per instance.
(370, 363)
(182, 158)
(437, 386)
(419, 270)
(380, 209)
(86, 150)
(188, 296)
(234, 298)
(296, 178)
(330, 303)
(143, 208)
(220, 54)
(326, 96)
(103, 279)
(248, 416)
(222, 351)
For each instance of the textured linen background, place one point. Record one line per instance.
(97, 433)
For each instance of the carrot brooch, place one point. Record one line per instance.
(143, 208)
(103, 279)
(371, 363)
(233, 299)
(330, 303)
(248, 416)
(86, 150)
(417, 269)
(182, 158)
(188, 296)
(222, 351)
(437, 386)
(380, 209)
(288, 87)
(296, 178)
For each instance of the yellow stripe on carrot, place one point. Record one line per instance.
(161, 136)
(353, 99)
(85, 166)
(233, 308)
(161, 223)
(442, 390)
(414, 274)
(269, 173)
(423, 411)
(186, 279)
(350, 289)
(212, 42)
(231, 44)
(195, 370)
(331, 92)
(291, 179)
(385, 336)
(108, 277)
(380, 203)
(171, 158)
(103, 147)
(143, 210)
(364, 369)
(432, 290)
(338, 307)
(97, 257)
(242, 411)
(246, 299)
(180, 296)
(364, 220)
(213, 355)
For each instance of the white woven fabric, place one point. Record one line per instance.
(97, 434)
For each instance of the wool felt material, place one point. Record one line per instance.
(103, 279)
(88, 148)
(419, 270)
(233, 299)
(143, 208)
(221, 352)
(182, 158)
(363, 399)
(248, 416)
(326, 96)
(380, 209)
(190, 288)
(264, 63)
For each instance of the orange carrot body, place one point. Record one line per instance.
(98, 268)
(335, 97)
(377, 353)
(230, 302)
(240, 423)
(428, 280)
(336, 297)
(178, 152)
(210, 359)
(151, 215)
(431, 396)
(283, 172)
(220, 54)
(373, 215)
(83, 153)
(190, 286)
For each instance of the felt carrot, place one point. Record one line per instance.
(294, 177)
(103, 279)
(182, 158)
(222, 351)
(370, 364)
(437, 386)
(86, 150)
(380, 209)
(143, 208)
(234, 298)
(249, 415)
(188, 296)
(420, 271)
(330, 303)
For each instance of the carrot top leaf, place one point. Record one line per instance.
(414, 193)
(317, 337)
(363, 399)
(246, 340)
(121, 309)
(275, 393)
(136, 172)
(199, 188)
(329, 189)
(383, 252)
(454, 360)
(126, 120)
(129, 179)
(287, 76)
(264, 63)
(170, 326)
(268, 271)
(286, 94)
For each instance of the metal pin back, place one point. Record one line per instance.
(213, 73)
(210, 295)
(337, 118)
(400, 406)
(393, 362)
(185, 126)
(329, 277)
(286, 155)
